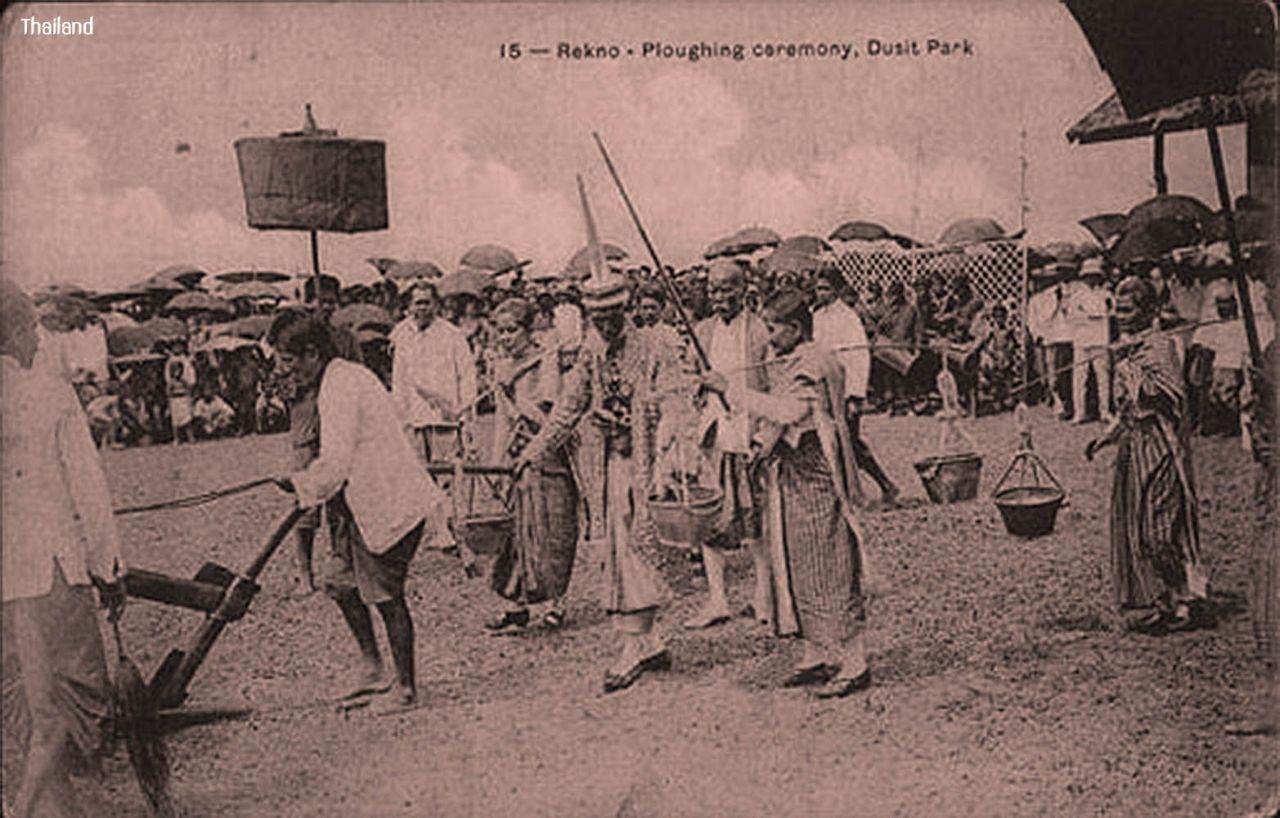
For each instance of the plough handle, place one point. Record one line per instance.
(236, 599)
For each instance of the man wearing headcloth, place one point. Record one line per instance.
(838, 327)
(737, 344)
(620, 386)
(814, 539)
(1155, 521)
(433, 374)
(59, 539)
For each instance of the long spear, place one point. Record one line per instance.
(653, 254)
(658, 266)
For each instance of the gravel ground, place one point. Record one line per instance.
(1002, 684)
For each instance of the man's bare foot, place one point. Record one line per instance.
(396, 700)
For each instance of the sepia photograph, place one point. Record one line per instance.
(639, 409)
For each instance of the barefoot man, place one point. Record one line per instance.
(366, 460)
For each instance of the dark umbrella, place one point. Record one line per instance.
(466, 281)
(243, 276)
(860, 231)
(1158, 53)
(1171, 207)
(489, 257)
(128, 340)
(356, 315)
(716, 249)
(810, 245)
(405, 270)
(1104, 226)
(251, 290)
(196, 301)
(968, 231)
(184, 274)
(153, 285)
(751, 239)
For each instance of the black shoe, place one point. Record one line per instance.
(816, 675)
(839, 688)
(511, 622)
(613, 682)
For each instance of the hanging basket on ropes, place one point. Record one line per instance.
(1027, 494)
(951, 473)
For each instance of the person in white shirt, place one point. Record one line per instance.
(180, 385)
(1227, 341)
(433, 374)
(1088, 315)
(212, 415)
(1047, 321)
(59, 538)
(736, 343)
(366, 458)
(838, 327)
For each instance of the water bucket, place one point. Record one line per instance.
(687, 523)
(950, 478)
(1029, 511)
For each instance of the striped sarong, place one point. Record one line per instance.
(1155, 531)
(818, 584)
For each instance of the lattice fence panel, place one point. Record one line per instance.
(994, 268)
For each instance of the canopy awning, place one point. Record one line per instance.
(1108, 121)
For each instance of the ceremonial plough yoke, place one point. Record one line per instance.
(614, 397)
(809, 524)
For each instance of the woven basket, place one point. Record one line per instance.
(687, 524)
(1029, 511)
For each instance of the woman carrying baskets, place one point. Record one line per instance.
(534, 566)
(814, 540)
(1155, 524)
(618, 387)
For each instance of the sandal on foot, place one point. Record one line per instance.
(510, 622)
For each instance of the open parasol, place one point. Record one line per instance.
(1104, 226)
(196, 301)
(250, 289)
(407, 270)
(491, 258)
(466, 281)
(751, 239)
(184, 274)
(243, 276)
(970, 231)
(809, 245)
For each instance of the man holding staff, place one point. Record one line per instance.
(621, 385)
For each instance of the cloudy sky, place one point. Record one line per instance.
(480, 150)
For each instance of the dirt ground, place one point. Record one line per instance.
(1001, 684)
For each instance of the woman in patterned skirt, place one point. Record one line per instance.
(1155, 524)
(534, 567)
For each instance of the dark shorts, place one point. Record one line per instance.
(377, 577)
